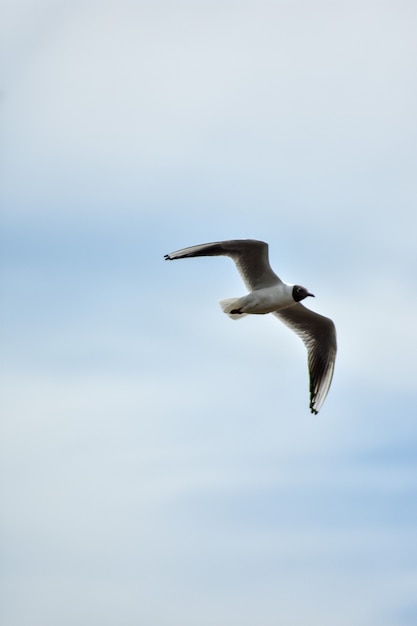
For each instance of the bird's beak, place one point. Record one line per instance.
(311, 294)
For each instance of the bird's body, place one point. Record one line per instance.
(261, 301)
(269, 294)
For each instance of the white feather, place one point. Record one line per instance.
(228, 305)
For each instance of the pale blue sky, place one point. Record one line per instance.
(159, 464)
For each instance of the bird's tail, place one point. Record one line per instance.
(229, 305)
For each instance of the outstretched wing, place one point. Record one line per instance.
(249, 255)
(319, 336)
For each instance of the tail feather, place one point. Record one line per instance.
(231, 304)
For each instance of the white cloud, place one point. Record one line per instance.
(131, 100)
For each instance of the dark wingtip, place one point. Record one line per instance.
(167, 257)
(312, 409)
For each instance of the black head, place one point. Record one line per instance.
(299, 293)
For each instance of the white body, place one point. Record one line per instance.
(260, 301)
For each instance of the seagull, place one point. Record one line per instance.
(269, 294)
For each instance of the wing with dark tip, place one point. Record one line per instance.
(249, 255)
(319, 336)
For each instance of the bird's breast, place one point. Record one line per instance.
(267, 300)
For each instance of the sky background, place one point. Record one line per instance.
(159, 463)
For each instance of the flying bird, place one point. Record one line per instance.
(269, 294)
